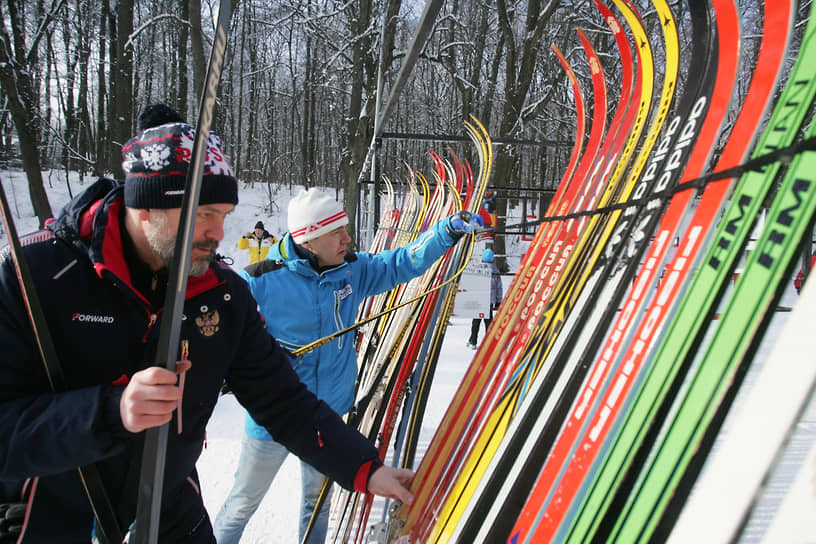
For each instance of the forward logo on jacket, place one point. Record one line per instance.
(90, 318)
(208, 322)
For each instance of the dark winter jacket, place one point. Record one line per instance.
(104, 331)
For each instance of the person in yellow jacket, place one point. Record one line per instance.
(257, 242)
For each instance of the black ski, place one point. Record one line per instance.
(146, 526)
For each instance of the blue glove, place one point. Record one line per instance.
(463, 223)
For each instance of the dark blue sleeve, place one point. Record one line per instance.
(42, 432)
(380, 272)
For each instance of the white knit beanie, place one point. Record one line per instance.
(312, 214)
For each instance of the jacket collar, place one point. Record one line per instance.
(299, 259)
(94, 221)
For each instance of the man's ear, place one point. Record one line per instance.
(143, 214)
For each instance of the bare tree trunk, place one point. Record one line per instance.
(121, 103)
(102, 158)
(15, 78)
(292, 128)
(67, 95)
(520, 60)
(197, 47)
(358, 130)
(6, 127)
(253, 146)
(359, 123)
(84, 134)
(307, 139)
(238, 134)
(181, 55)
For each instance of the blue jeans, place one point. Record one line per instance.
(259, 462)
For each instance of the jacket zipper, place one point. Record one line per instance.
(338, 320)
(150, 324)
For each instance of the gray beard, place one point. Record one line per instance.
(164, 246)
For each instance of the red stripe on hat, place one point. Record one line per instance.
(175, 173)
(320, 224)
(332, 219)
(136, 141)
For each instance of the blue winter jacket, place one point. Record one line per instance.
(104, 331)
(301, 305)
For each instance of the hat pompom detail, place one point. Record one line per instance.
(156, 115)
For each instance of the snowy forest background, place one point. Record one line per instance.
(298, 90)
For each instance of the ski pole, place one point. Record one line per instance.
(146, 526)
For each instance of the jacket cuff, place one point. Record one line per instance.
(364, 473)
(455, 236)
(111, 414)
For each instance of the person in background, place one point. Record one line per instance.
(100, 271)
(257, 242)
(496, 295)
(309, 287)
(488, 214)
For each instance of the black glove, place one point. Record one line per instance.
(12, 516)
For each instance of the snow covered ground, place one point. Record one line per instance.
(276, 520)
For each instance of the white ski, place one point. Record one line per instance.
(740, 464)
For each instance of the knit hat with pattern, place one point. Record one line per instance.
(156, 162)
(312, 214)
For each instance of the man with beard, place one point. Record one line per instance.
(100, 270)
